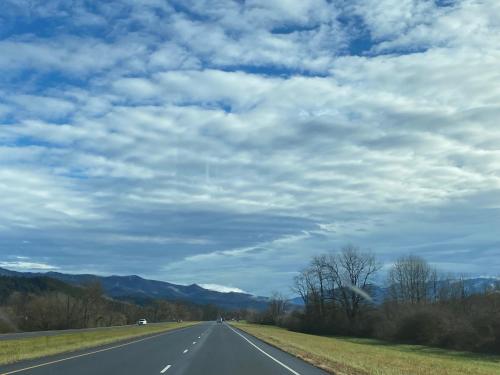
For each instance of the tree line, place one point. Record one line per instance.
(42, 303)
(420, 304)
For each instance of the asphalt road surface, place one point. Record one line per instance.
(204, 349)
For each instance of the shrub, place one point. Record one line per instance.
(422, 327)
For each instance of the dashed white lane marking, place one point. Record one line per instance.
(165, 369)
(185, 351)
(263, 352)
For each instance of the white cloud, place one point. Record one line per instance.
(222, 288)
(390, 18)
(213, 113)
(136, 87)
(415, 25)
(42, 107)
(27, 266)
(35, 199)
(170, 56)
(74, 55)
(159, 240)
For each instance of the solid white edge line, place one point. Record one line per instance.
(95, 352)
(165, 369)
(263, 352)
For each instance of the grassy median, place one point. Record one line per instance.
(348, 356)
(35, 347)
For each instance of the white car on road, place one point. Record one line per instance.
(142, 322)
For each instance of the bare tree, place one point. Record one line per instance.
(319, 268)
(305, 285)
(351, 272)
(92, 304)
(411, 280)
(277, 306)
(300, 286)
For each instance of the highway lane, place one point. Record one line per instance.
(204, 349)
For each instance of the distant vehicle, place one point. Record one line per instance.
(142, 322)
(219, 321)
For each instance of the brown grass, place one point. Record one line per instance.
(349, 356)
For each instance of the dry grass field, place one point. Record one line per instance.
(349, 356)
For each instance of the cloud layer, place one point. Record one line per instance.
(226, 142)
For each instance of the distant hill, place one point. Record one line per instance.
(140, 290)
(475, 285)
(137, 289)
(481, 284)
(34, 285)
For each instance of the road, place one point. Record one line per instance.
(204, 349)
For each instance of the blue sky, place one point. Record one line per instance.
(226, 142)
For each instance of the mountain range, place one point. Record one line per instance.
(139, 290)
(474, 285)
